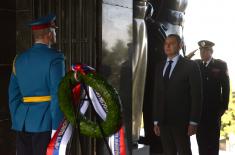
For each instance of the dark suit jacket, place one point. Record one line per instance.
(215, 88)
(181, 101)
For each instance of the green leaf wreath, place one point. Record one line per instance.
(107, 92)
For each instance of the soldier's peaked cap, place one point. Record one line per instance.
(205, 44)
(43, 22)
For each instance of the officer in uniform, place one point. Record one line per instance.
(216, 98)
(33, 100)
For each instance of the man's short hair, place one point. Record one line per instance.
(38, 34)
(176, 36)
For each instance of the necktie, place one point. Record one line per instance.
(204, 64)
(168, 70)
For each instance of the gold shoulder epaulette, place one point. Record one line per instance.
(13, 66)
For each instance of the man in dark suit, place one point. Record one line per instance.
(178, 99)
(215, 99)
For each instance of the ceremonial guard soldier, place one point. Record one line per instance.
(33, 100)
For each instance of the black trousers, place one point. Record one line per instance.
(32, 143)
(208, 137)
(175, 140)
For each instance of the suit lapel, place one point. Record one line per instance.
(177, 67)
(211, 63)
(161, 72)
(162, 68)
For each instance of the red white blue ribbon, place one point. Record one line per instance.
(60, 140)
(116, 141)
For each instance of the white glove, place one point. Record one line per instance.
(52, 133)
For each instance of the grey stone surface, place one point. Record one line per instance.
(143, 150)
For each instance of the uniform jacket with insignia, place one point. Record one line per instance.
(36, 73)
(215, 88)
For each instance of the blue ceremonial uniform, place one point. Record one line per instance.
(38, 72)
(33, 100)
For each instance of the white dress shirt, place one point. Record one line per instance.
(175, 60)
(208, 62)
